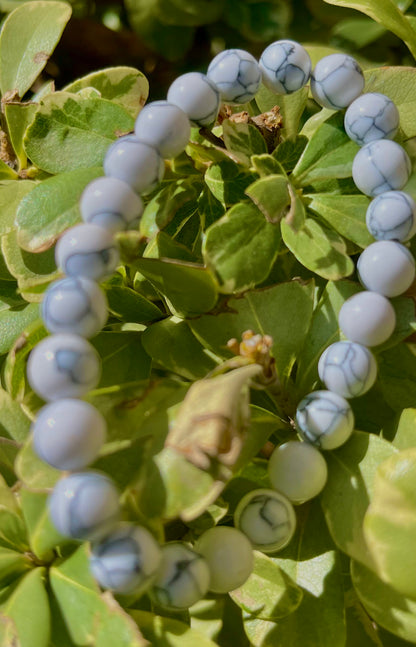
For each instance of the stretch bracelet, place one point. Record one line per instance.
(68, 433)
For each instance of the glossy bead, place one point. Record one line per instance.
(267, 518)
(297, 470)
(74, 305)
(134, 162)
(197, 96)
(111, 204)
(286, 66)
(164, 126)
(229, 556)
(84, 505)
(126, 560)
(325, 419)
(392, 216)
(182, 579)
(371, 116)
(336, 81)
(386, 267)
(87, 251)
(63, 366)
(236, 74)
(381, 166)
(367, 318)
(347, 368)
(68, 434)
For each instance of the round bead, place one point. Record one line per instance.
(182, 579)
(347, 368)
(386, 267)
(298, 470)
(197, 96)
(126, 560)
(135, 163)
(63, 366)
(164, 126)
(111, 204)
(74, 305)
(236, 74)
(392, 216)
(87, 251)
(229, 556)
(371, 116)
(267, 518)
(84, 505)
(336, 81)
(285, 66)
(381, 166)
(325, 419)
(68, 434)
(367, 318)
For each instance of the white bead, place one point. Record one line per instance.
(63, 366)
(87, 251)
(229, 556)
(381, 166)
(298, 470)
(267, 518)
(347, 368)
(386, 267)
(371, 116)
(135, 163)
(164, 126)
(111, 204)
(68, 434)
(197, 96)
(84, 505)
(236, 74)
(74, 305)
(182, 579)
(392, 216)
(367, 318)
(325, 419)
(336, 81)
(126, 560)
(286, 66)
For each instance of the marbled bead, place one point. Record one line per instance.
(68, 434)
(111, 204)
(164, 126)
(298, 470)
(392, 216)
(386, 267)
(63, 366)
(74, 305)
(236, 74)
(84, 505)
(367, 318)
(182, 579)
(336, 81)
(267, 518)
(126, 560)
(324, 419)
(347, 368)
(286, 66)
(197, 96)
(381, 165)
(371, 116)
(134, 162)
(87, 251)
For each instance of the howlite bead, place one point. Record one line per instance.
(164, 126)
(286, 66)
(381, 166)
(298, 470)
(372, 116)
(236, 74)
(134, 162)
(386, 267)
(367, 318)
(336, 81)
(111, 204)
(325, 419)
(392, 216)
(87, 251)
(197, 96)
(347, 368)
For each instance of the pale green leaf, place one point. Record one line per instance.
(18, 117)
(243, 140)
(43, 536)
(405, 435)
(397, 84)
(11, 193)
(168, 632)
(344, 213)
(271, 195)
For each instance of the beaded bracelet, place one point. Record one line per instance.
(64, 366)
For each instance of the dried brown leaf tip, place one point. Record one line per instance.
(257, 349)
(269, 123)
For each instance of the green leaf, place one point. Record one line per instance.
(163, 246)
(271, 195)
(11, 194)
(241, 248)
(181, 12)
(55, 203)
(265, 165)
(71, 132)
(397, 369)
(34, 473)
(128, 305)
(344, 213)
(12, 565)
(162, 208)
(6, 172)
(289, 151)
(405, 432)
(43, 535)
(15, 364)
(228, 181)
(12, 528)
(13, 322)
(28, 38)
(123, 358)
(243, 140)
(13, 422)
(210, 209)
(167, 632)
(395, 82)
(291, 107)
(358, 32)
(18, 117)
